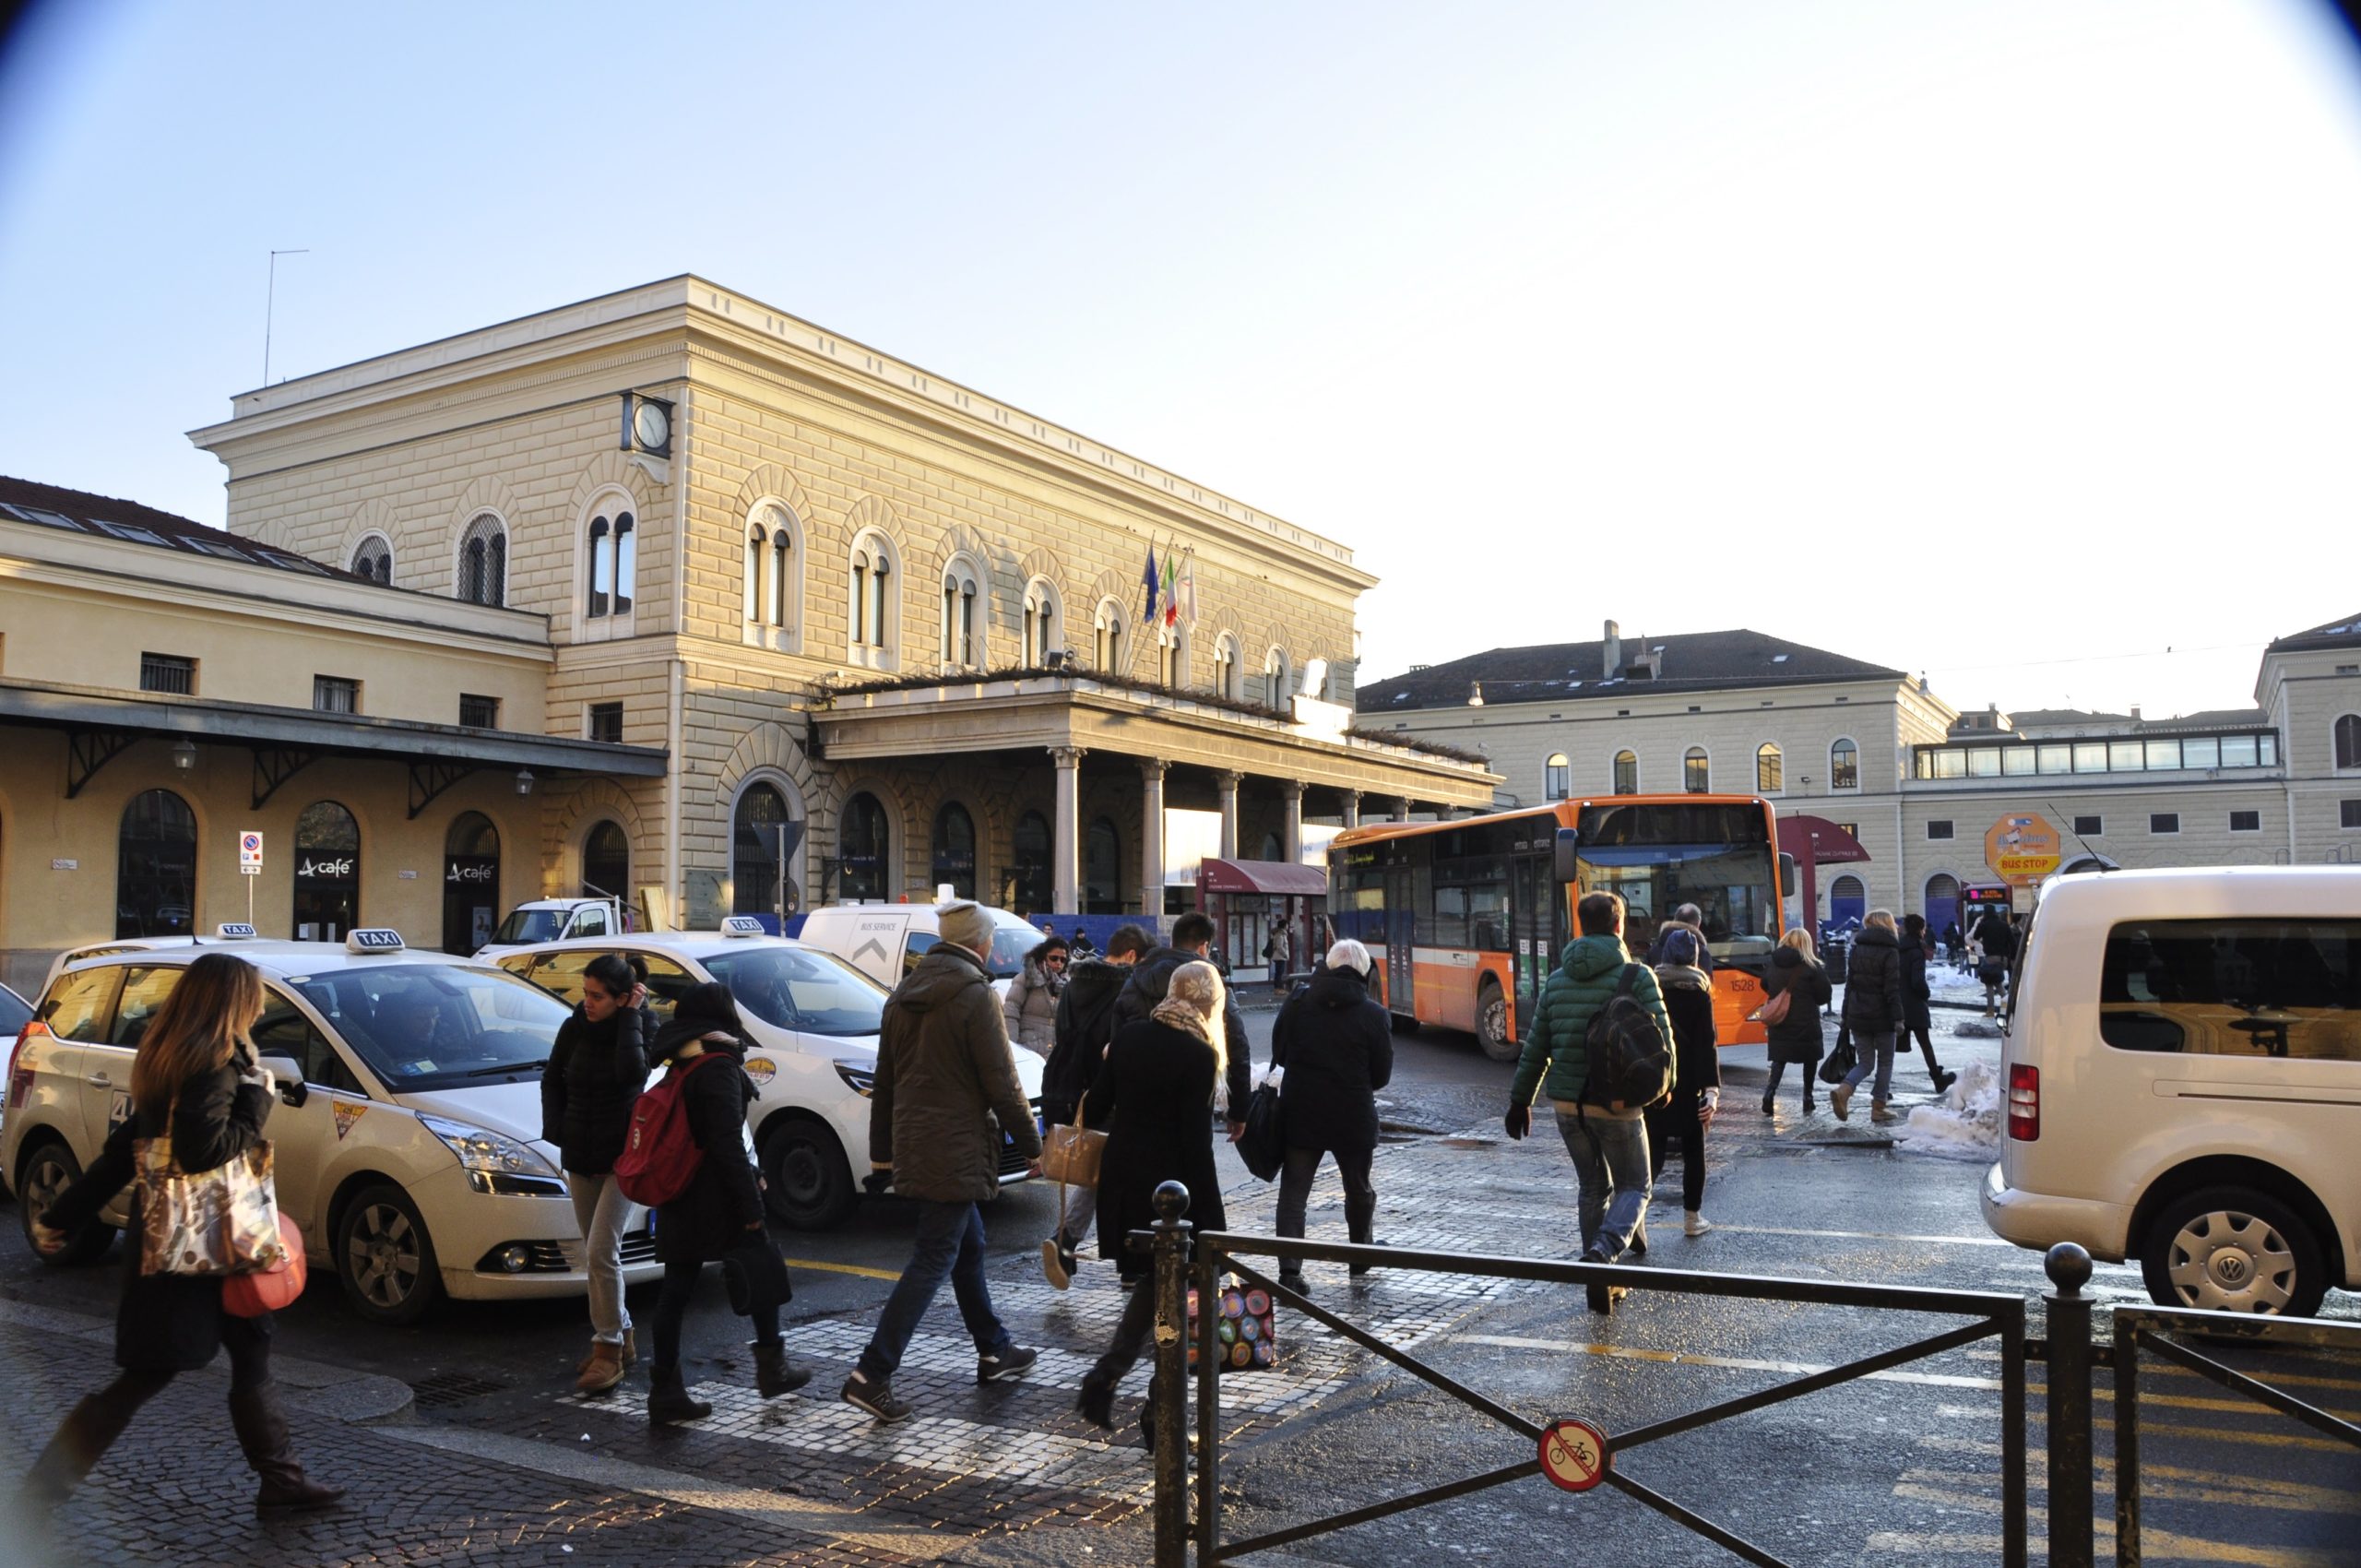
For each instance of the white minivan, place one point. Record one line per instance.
(2183, 1070)
(882, 941)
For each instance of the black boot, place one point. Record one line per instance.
(775, 1372)
(1360, 1224)
(1098, 1401)
(668, 1401)
(260, 1422)
(89, 1428)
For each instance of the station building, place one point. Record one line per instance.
(1914, 781)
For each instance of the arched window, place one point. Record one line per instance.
(774, 582)
(154, 867)
(470, 882)
(374, 559)
(755, 853)
(2348, 741)
(606, 861)
(1172, 655)
(1029, 891)
(1107, 637)
(862, 844)
(1943, 903)
(1627, 773)
(1844, 765)
(963, 625)
(614, 546)
(1697, 772)
(1273, 848)
(873, 604)
(1557, 777)
(1275, 675)
(1225, 676)
(1044, 626)
(955, 849)
(328, 872)
(600, 545)
(483, 561)
(1102, 870)
(626, 563)
(1770, 770)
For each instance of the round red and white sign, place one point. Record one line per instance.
(1573, 1454)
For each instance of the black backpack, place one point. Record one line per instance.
(1630, 1060)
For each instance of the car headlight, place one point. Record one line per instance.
(492, 1153)
(859, 1078)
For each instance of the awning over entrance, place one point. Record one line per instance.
(1278, 879)
(1815, 841)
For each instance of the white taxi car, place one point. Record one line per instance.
(811, 1022)
(406, 1140)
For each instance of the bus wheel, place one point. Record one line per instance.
(1493, 1023)
(1404, 1022)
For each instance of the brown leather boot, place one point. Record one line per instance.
(602, 1371)
(261, 1425)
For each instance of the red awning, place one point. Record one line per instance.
(1279, 879)
(1818, 841)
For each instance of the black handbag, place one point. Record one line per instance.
(1263, 1144)
(755, 1276)
(1839, 1064)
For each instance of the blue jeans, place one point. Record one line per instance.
(1611, 1167)
(950, 1241)
(1874, 1050)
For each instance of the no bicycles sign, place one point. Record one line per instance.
(1574, 1454)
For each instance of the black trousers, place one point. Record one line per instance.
(1294, 1192)
(91, 1427)
(1676, 1122)
(1925, 1046)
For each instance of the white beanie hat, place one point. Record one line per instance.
(1349, 954)
(965, 924)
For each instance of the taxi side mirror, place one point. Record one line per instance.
(293, 1090)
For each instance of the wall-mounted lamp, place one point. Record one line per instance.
(523, 781)
(184, 754)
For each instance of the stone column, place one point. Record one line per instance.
(1291, 792)
(1065, 832)
(1401, 808)
(1352, 808)
(1152, 836)
(1226, 784)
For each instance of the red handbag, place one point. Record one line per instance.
(251, 1295)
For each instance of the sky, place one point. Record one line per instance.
(2011, 343)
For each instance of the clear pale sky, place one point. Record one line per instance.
(2016, 343)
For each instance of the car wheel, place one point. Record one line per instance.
(385, 1256)
(2233, 1250)
(1493, 1023)
(809, 1183)
(42, 1180)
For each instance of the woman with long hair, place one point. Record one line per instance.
(1031, 1004)
(596, 1067)
(1163, 1077)
(1796, 1040)
(197, 1080)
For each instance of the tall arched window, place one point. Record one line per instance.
(2348, 741)
(1557, 777)
(1029, 890)
(754, 852)
(774, 575)
(1102, 870)
(1844, 765)
(1697, 772)
(1848, 898)
(374, 559)
(328, 872)
(606, 861)
(483, 561)
(1044, 627)
(1107, 637)
(757, 572)
(872, 600)
(154, 867)
(1943, 903)
(1770, 770)
(470, 882)
(1225, 676)
(1627, 773)
(613, 544)
(955, 849)
(862, 844)
(1275, 675)
(603, 566)
(1172, 655)
(963, 625)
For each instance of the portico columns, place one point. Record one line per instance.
(1152, 836)
(1291, 791)
(1065, 832)
(1352, 808)
(1226, 784)
(1401, 808)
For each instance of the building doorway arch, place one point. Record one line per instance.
(154, 867)
(1029, 877)
(766, 810)
(862, 846)
(470, 882)
(1848, 899)
(1943, 903)
(955, 850)
(1102, 870)
(606, 861)
(328, 872)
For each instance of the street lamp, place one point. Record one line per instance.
(184, 754)
(523, 781)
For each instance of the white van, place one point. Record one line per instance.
(882, 941)
(2183, 1070)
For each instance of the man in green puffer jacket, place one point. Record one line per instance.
(1610, 1147)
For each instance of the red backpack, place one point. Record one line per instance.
(661, 1158)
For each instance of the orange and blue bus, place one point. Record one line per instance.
(1466, 919)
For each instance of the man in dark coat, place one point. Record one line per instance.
(1873, 1012)
(943, 1074)
(1085, 1022)
(1192, 939)
(1336, 1048)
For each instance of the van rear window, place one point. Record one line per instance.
(2254, 988)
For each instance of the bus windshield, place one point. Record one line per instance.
(1659, 858)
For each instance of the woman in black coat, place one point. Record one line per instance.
(1156, 1096)
(1917, 1020)
(1796, 1040)
(719, 1214)
(1336, 1047)
(596, 1067)
(195, 1079)
(1682, 1119)
(1873, 1012)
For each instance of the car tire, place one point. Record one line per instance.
(384, 1257)
(2234, 1249)
(42, 1176)
(1493, 1023)
(808, 1182)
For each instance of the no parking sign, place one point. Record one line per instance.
(1574, 1454)
(250, 852)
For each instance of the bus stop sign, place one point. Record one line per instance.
(2023, 849)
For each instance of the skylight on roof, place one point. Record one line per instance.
(40, 515)
(215, 547)
(294, 562)
(130, 531)
(1779, 659)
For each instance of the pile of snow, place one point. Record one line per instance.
(1964, 1124)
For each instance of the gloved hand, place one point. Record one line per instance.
(1518, 1121)
(879, 1178)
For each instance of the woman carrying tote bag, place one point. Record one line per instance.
(195, 1081)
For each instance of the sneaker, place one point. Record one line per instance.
(1053, 1264)
(874, 1395)
(1840, 1100)
(1694, 1223)
(1009, 1364)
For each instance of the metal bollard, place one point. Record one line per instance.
(2071, 1531)
(1169, 1388)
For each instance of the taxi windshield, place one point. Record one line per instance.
(532, 925)
(431, 1026)
(795, 988)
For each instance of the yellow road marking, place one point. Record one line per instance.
(891, 1275)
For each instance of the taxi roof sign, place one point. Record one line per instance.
(232, 931)
(368, 939)
(742, 925)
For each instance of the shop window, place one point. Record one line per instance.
(470, 882)
(328, 872)
(755, 855)
(155, 879)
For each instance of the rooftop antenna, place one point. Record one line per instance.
(270, 304)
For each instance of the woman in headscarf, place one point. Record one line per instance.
(1031, 1004)
(1164, 1078)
